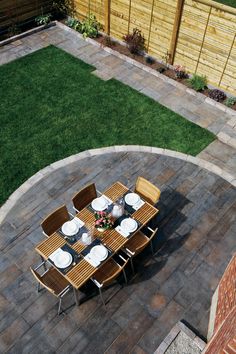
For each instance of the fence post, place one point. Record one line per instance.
(107, 8)
(174, 38)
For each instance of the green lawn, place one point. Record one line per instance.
(52, 106)
(231, 3)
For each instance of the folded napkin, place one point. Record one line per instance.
(55, 253)
(138, 205)
(92, 260)
(121, 231)
(79, 222)
(108, 200)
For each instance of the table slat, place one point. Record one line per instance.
(116, 191)
(51, 244)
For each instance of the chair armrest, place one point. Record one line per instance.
(77, 211)
(96, 283)
(40, 265)
(99, 192)
(64, 291)
(130, 253)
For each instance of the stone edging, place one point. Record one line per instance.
(15, 196)
(155, 73)
(27, 33)
(174, 332)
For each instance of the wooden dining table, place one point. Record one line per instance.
(79, 273)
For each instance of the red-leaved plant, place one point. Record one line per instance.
(135, 41)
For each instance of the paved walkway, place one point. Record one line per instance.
(196, 240)
(186, 102)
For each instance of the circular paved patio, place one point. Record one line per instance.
(195, 242)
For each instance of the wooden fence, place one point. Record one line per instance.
(15, 12)
(199, 34)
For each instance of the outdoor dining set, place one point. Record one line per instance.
(106, 232)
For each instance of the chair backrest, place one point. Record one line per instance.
(113, 275)
(147, 190)
(40, 280)
(143, 242)
(84, 196)
(55, 220)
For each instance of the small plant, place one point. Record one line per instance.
(103, 220)
(180, 72)
(166, 57)
(150, 60)
(73, 23)
(230, 101)
(107, 42)
(64, 7)
(161, 70)
(13, 30)
(198, 82)
(217, 95)
(135, 41)
(90, 27)
(43, 19)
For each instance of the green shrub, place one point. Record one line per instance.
(43, 19)
(90, 27)
(230, 101)
(198, 82)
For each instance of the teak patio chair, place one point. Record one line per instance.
(84, 197)
(106, 274)
(55, 220)
(53, 281)
(147, 190)
(137, 244)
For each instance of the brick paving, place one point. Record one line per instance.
(186, 102)
(196, 240)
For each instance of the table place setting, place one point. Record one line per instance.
(127, 226)
(96, 253)
(64, 258)
(101, 203)
(133, 202)
(72, 230)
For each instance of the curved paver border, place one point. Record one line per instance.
(14, 197)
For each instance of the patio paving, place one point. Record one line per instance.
(192, 107)
(196, 240)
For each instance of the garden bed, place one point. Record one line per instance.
(163, 68)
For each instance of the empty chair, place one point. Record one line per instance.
(147, 190)
(107, 273)
(84, 197)
(55, 220)
(53, 281)
(137, 243)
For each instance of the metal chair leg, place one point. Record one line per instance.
(132, 265)
(100, 292)
(125, 277)
(38, 287)
(59, 307)
(151, 245)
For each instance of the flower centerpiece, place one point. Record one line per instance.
(103, 220)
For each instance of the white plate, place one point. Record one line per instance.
(132, 198)
(129, 225)
(70, 228)
(99, 204)
(99, 252)
(62, 259)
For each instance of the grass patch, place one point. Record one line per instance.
(231, 3)
(52, 107)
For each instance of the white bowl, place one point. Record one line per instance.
(70, 228)
(129, 225)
